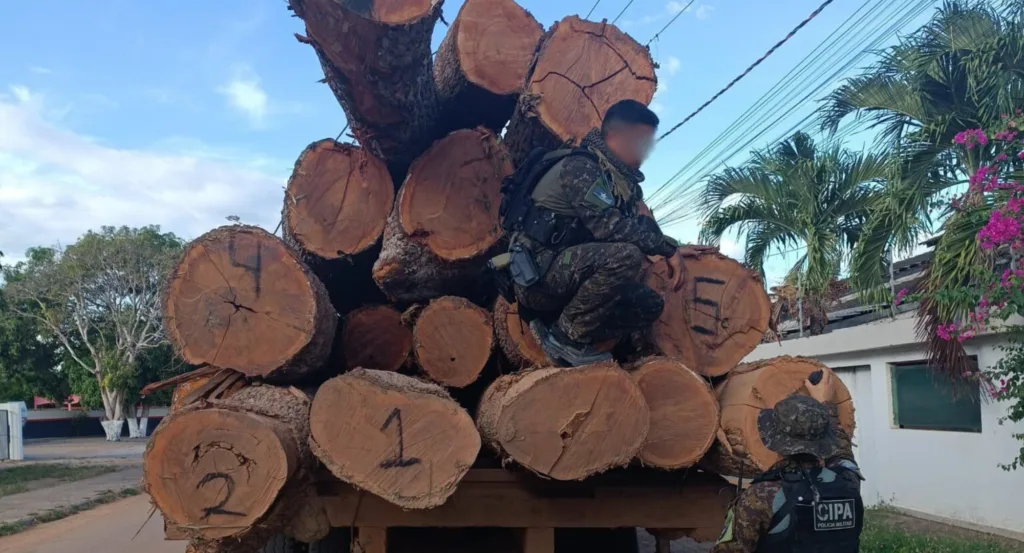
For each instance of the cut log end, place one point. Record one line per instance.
(338, 200)
(567, 424)
(581, 69)
(375, 337)
(399, 438)
(216, 472)
(517, 341)
(715, 319)
(496, 41)
(684, 414)
(239, 298)
(751, 388)
(450, 200)
(453, 341)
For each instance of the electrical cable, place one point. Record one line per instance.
(592, 8)
(628, 4)
(670, 22)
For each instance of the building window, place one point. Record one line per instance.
(924, 400)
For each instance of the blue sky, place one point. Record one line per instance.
(183, 113)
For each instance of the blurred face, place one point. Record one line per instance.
(631, 143)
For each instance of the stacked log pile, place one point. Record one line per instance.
(345, 342)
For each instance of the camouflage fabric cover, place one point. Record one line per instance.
(798, 424)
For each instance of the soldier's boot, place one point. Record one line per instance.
(564, 351)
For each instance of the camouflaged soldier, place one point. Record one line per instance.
(580, 230)
(810, 501)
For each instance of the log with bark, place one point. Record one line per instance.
(481, 66)
(581, 69)
(394, 436)
(375, 337)
(515, 338)
(239, 298)
(232, 472)
(684, 413)
(445, 219)
(750, 388)
(717, 316)
(453, 341)
(375, 56)
(568, 423)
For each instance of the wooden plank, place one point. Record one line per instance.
(539, 540)
(370, 539)
(508, 505)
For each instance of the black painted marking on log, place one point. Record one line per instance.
(256, 269)
(399, 459)
(219, 509)
(697, 299)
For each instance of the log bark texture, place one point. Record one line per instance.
(565, 423)
(394, 436)
(453, 341)
(239, 298)
(581, 69)
(481, 66)
(749, 389)
(375, 55)
(231, 472)
(445, 219)
(715, 319)
(376, 337)
(684, 413)
(517, 341)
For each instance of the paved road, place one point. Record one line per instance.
(105, 529)
(84, 450)
(24, 505)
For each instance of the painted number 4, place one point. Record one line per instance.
(399, 459)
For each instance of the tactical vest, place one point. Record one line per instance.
(822, 511)
(530, 206)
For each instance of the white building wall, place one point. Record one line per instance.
(947, 475)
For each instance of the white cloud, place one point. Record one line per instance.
(40, 70)
(704, 11)
(245, 94)
(672, 65)
(731, 248)
(658, 107)
(676, 7)
(56, 184)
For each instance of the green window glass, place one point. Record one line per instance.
(926, 401)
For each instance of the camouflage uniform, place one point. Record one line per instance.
(750, 516)
(596, 285)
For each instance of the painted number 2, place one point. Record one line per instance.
(218, 509)
(399, 459)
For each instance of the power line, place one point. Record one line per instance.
(670, 22)
(749, 69)
(628, 4)
(592, 8)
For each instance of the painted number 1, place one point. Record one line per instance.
(399, 459)
(699, 300)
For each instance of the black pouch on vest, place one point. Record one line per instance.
(523, 267)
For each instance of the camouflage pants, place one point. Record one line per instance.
(598, 290)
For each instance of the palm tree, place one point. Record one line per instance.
(796, 195)
(962, 70)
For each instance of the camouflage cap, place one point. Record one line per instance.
(798, 424)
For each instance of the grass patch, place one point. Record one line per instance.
(33, 477)
(103, 498)
(882, 536)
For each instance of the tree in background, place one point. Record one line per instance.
(100, 300)
(29, 364)
(963, 70)
(796, 194)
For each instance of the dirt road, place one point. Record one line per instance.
(105, 529)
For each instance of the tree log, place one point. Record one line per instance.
(375, 56)
(375, 337)
(567, 424)
(581, 69)
(684, 413)
(394, 436)
(239, 298)
(749, 389)
(454, 339)
(481, 66)
(227, 473)
(715, 319)
(445, 219)
(517, 341)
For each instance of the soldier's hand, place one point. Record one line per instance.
(642, 209)
(696, 250)
(675, 266)
(824, 390)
